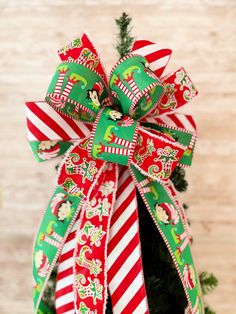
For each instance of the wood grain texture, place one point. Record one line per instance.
(202, 36)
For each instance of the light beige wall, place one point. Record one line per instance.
(202, 35)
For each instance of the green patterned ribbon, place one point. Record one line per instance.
(136, 88)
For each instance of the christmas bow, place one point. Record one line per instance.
(117, 138)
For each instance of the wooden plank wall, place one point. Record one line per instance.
(202, 35)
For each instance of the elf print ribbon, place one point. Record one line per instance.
(115, 139)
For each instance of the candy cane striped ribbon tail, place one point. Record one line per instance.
(64, 296)
(125, 275)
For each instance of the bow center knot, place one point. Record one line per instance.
(113, 137)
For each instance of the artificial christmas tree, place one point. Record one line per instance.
(165, 292)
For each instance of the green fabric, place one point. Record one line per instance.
(136, 67)
(43, 309)
(159, 195)
(38, 152)
(83, 80)
(45, 255)
(108, 129)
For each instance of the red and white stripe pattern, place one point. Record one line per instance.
(192, 142)
(151, 74)
(126, 122)
(157, 58)
(125, 90)
(57, 100)
(143, 184)
(106, 102)
(79, 106)
(176, 120)
(116, 150)
(134, 87)
(82, 59)
(59, 82)
(64, 295)
(51, 241)
(56, 236)
(122, 142)
(68, 88)
(125, 276)
(45, 123)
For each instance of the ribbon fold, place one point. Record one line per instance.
(117, 137)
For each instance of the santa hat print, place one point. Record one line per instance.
(188, 274)
(42, 263)
(126, 121)
(56, 203)
(171, 212)
(98, 87)
(48, 149)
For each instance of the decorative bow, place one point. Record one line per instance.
(116, 139)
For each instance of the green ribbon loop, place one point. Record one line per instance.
(134, 87)
(77, 91)
(113, 137)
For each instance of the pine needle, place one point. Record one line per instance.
(125, 40)
(208, 282)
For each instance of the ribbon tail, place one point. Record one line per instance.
(90, 255)
(74, 183)
(50, 239)
(64, 294)
(125, 271)
(167, 217)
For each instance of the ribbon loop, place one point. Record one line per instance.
(113, 137)
(77, 91)
(156, 155)
(134, 87)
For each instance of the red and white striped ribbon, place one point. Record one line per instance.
(157, 57)
(45, 123)
(64, 296)
(176, 120)
(125, 275)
